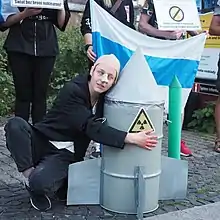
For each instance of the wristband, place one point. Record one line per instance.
(87, 46)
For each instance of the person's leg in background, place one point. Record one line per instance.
(21, 67)
(184, 149)
(217, 112)
(217, 122)
(43, 67)
(192, 104)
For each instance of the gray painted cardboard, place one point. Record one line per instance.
(84, 181)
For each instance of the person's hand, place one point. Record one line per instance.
(90, 54)
(174, 35)
(143, 139)
(31, 12)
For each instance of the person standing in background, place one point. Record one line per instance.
(122, 10)
(215, 30)
(32, 47)
(148, 25)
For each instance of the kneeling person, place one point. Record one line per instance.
(43, 152)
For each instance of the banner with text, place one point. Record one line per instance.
(177, 15)
(51, 4)
(208, 64)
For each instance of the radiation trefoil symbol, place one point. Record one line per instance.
(141, 122)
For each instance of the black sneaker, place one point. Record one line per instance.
(95, 154)
(40, 202)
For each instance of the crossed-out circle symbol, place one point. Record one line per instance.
(176, 13)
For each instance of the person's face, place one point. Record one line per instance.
(103, 77)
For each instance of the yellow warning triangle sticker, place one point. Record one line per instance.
(141, 122)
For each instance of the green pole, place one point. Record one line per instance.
(175, 125)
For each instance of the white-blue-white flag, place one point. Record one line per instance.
(166, 58)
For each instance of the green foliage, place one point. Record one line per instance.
(203, 119)
(72, 58)
(6, 83)
(70, 62)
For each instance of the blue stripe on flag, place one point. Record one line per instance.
(163, 69)
(1, 17)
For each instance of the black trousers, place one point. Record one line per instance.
(31, 77)
(29, 148)
(90, 64)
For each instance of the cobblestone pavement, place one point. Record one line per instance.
(203, 186)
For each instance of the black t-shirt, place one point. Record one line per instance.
(125, 14)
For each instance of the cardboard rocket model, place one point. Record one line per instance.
(131, 180)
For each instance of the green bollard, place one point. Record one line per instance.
(175, 126)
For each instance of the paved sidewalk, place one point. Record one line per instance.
(206, 212)
(203, 187)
